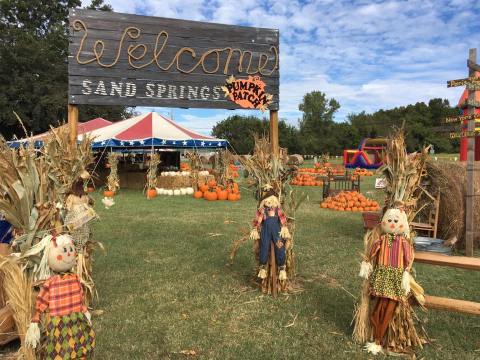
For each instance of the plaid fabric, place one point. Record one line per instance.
(68, 337)
(262, 213)
(61, 295)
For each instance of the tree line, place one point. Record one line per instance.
(318, 133)
(33, 71)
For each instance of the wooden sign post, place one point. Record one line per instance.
(470, 200)
(472, 83)
(274, 132)
(73, 123)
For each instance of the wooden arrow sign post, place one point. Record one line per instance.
(471, 83)
(470, 201)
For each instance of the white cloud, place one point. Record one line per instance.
(366, 55)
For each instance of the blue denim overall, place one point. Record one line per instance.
(271, 232)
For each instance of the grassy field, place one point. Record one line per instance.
(167, 287)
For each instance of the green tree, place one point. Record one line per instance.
(239, 130)
(33, 74)
(317, 122)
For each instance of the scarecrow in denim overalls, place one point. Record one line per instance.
(270, 225)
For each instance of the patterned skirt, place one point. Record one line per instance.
(68, 337)
(386, 281)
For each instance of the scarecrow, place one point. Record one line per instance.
(67, 321)
(270, 225)
(388, 269)
(79, 213)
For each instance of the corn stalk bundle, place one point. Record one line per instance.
(26, 193)
(152, 171)
(113, 181)
(66, 162)
(403, 173)
(266, 168)
(18, 292)
(225, 158)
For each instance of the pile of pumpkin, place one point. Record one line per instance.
(350, 201)
(211, 191)
(362, 172)
(306, 180)
(323, 170)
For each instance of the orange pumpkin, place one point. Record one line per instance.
(210, 196)
(198, 194)
(108, 193)
(232, 197)
(90, 189)
(151, 193)
(222, 195)
(212, 183)
(203, 187)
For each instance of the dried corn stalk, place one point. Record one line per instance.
(152, 171)
(18, 291)
(66, 162)
(26, 193)
(113, 181)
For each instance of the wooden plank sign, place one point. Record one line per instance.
(464, 82)
(453, 119)
(122, 59)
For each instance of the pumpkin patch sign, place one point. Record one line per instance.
(248, 93)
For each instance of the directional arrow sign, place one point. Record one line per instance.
(463, 82)
(453, 119)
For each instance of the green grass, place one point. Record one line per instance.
(166, 285)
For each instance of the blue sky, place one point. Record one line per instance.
(368, 55)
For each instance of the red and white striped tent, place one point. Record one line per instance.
(152, 130)
(83, 128)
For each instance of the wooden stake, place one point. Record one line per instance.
(470, 200)
(274, 131)
(73, 123)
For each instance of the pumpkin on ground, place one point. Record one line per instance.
(151, 193)
(109, 193)
(222, 195)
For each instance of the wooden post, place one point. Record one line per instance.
(470, 193)
(73, 123)
(274, 131)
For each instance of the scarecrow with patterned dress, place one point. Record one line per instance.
(68, 330)
(388, 270)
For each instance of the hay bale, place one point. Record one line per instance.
(295, 159)
(174, 182)
(450, 179)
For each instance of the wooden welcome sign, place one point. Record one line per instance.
(121, 59)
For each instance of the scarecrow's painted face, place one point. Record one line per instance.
(395, 221)
(62, 255)
(271, 201)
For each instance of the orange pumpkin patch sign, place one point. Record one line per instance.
(248, 93)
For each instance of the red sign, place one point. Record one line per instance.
(248, 93)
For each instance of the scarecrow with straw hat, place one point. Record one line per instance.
(270, 225)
